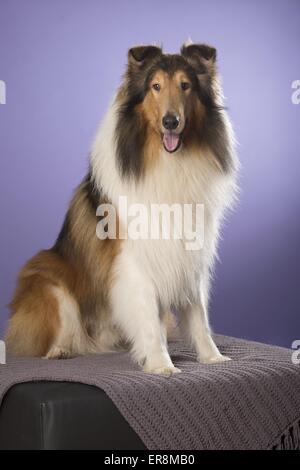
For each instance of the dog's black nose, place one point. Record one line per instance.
(170, 121)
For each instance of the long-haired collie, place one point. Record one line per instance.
(165, 139)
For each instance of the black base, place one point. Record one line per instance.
(63, 415)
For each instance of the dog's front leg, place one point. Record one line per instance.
(135, 310)
(195, 327)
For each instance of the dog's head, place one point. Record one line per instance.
(166, 98)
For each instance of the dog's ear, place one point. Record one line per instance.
(143, 55)
(201, 57)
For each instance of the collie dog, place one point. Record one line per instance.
(166, 139)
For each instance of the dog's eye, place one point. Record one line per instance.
(185, 86)
(156, 86)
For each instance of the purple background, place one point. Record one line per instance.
(62, 60)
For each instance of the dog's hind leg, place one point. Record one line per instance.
(35, 321)
(71, 339)
(46, 323)
(45, 317)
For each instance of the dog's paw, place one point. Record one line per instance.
(57, 353)
(166, 371)
(215, 359)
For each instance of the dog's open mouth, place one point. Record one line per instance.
(171, 141)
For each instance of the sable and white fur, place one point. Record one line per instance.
(88, 295)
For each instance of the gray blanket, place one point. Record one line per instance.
(252, 402)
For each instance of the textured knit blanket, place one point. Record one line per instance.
(251, 402)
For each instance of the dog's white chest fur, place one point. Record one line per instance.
(172, 265)
(175, 179)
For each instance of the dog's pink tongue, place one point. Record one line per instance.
(171, 141)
